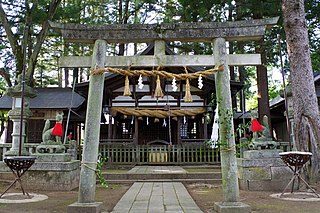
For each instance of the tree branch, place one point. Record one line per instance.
(11, 37)
(40, 39)
(6, 76)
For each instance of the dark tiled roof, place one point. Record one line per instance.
(49, 98)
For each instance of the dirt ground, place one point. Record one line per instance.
(204, 195)
(58, 201)
(260, 201)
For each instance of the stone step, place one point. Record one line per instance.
(171, 176)
(189, 181)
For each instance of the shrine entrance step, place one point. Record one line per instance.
(190, 174)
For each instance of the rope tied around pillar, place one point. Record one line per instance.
(227, 148)
(84, 163)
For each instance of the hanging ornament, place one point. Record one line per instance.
(215, 130)
(200, 82)
(164, 123)
(140, 82)
(132, 120)
(126, 91)
(158, 91)
(187, 97)
(174, 85)
(184, 120)
(147, 121)
(107, 117)
(156, 120)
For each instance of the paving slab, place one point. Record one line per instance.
(157, 197)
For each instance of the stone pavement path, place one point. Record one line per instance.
(157, 197)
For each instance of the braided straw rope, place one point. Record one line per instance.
(156, 113)
(162, 74)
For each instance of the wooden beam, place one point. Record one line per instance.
(200, 31)
(161, 60)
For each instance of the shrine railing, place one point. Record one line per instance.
(126, 152)
(193, 153)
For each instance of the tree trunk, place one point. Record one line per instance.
(305, 105)
(262, 74)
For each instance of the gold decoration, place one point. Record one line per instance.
(158, 92)
(126, 91)
(187, 97)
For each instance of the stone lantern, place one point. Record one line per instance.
(19, 93)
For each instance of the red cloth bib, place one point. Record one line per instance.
(57, 129)
(256, 126)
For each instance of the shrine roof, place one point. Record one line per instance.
(279, 100)
(49, 98)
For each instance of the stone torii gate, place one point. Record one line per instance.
(217, 33)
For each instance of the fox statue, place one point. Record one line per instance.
(56, 131)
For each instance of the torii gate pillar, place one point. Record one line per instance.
(87, 187)
(229, 168)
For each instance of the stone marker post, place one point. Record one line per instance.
(87, 186)
(229, 168)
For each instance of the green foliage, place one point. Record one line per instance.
(152, 11)
(225, 124)
(101, 161)
(243, 128)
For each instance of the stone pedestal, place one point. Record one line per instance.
(263, 170)
(53, 172)
(95, 207)
(231, 207)
(49, 172)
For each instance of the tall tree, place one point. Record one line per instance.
(305, 104)
(32, 23)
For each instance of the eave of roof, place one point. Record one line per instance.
(49, 98)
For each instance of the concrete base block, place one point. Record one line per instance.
(85, 207)
(231, 207)
(53, 176)
(266, 153)
(47, 157)
(263, 174)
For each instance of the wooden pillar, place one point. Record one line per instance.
(110, 128)
(179, 130)
(87, 187)
(229, 168)
(205, 128)
(136, 130)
